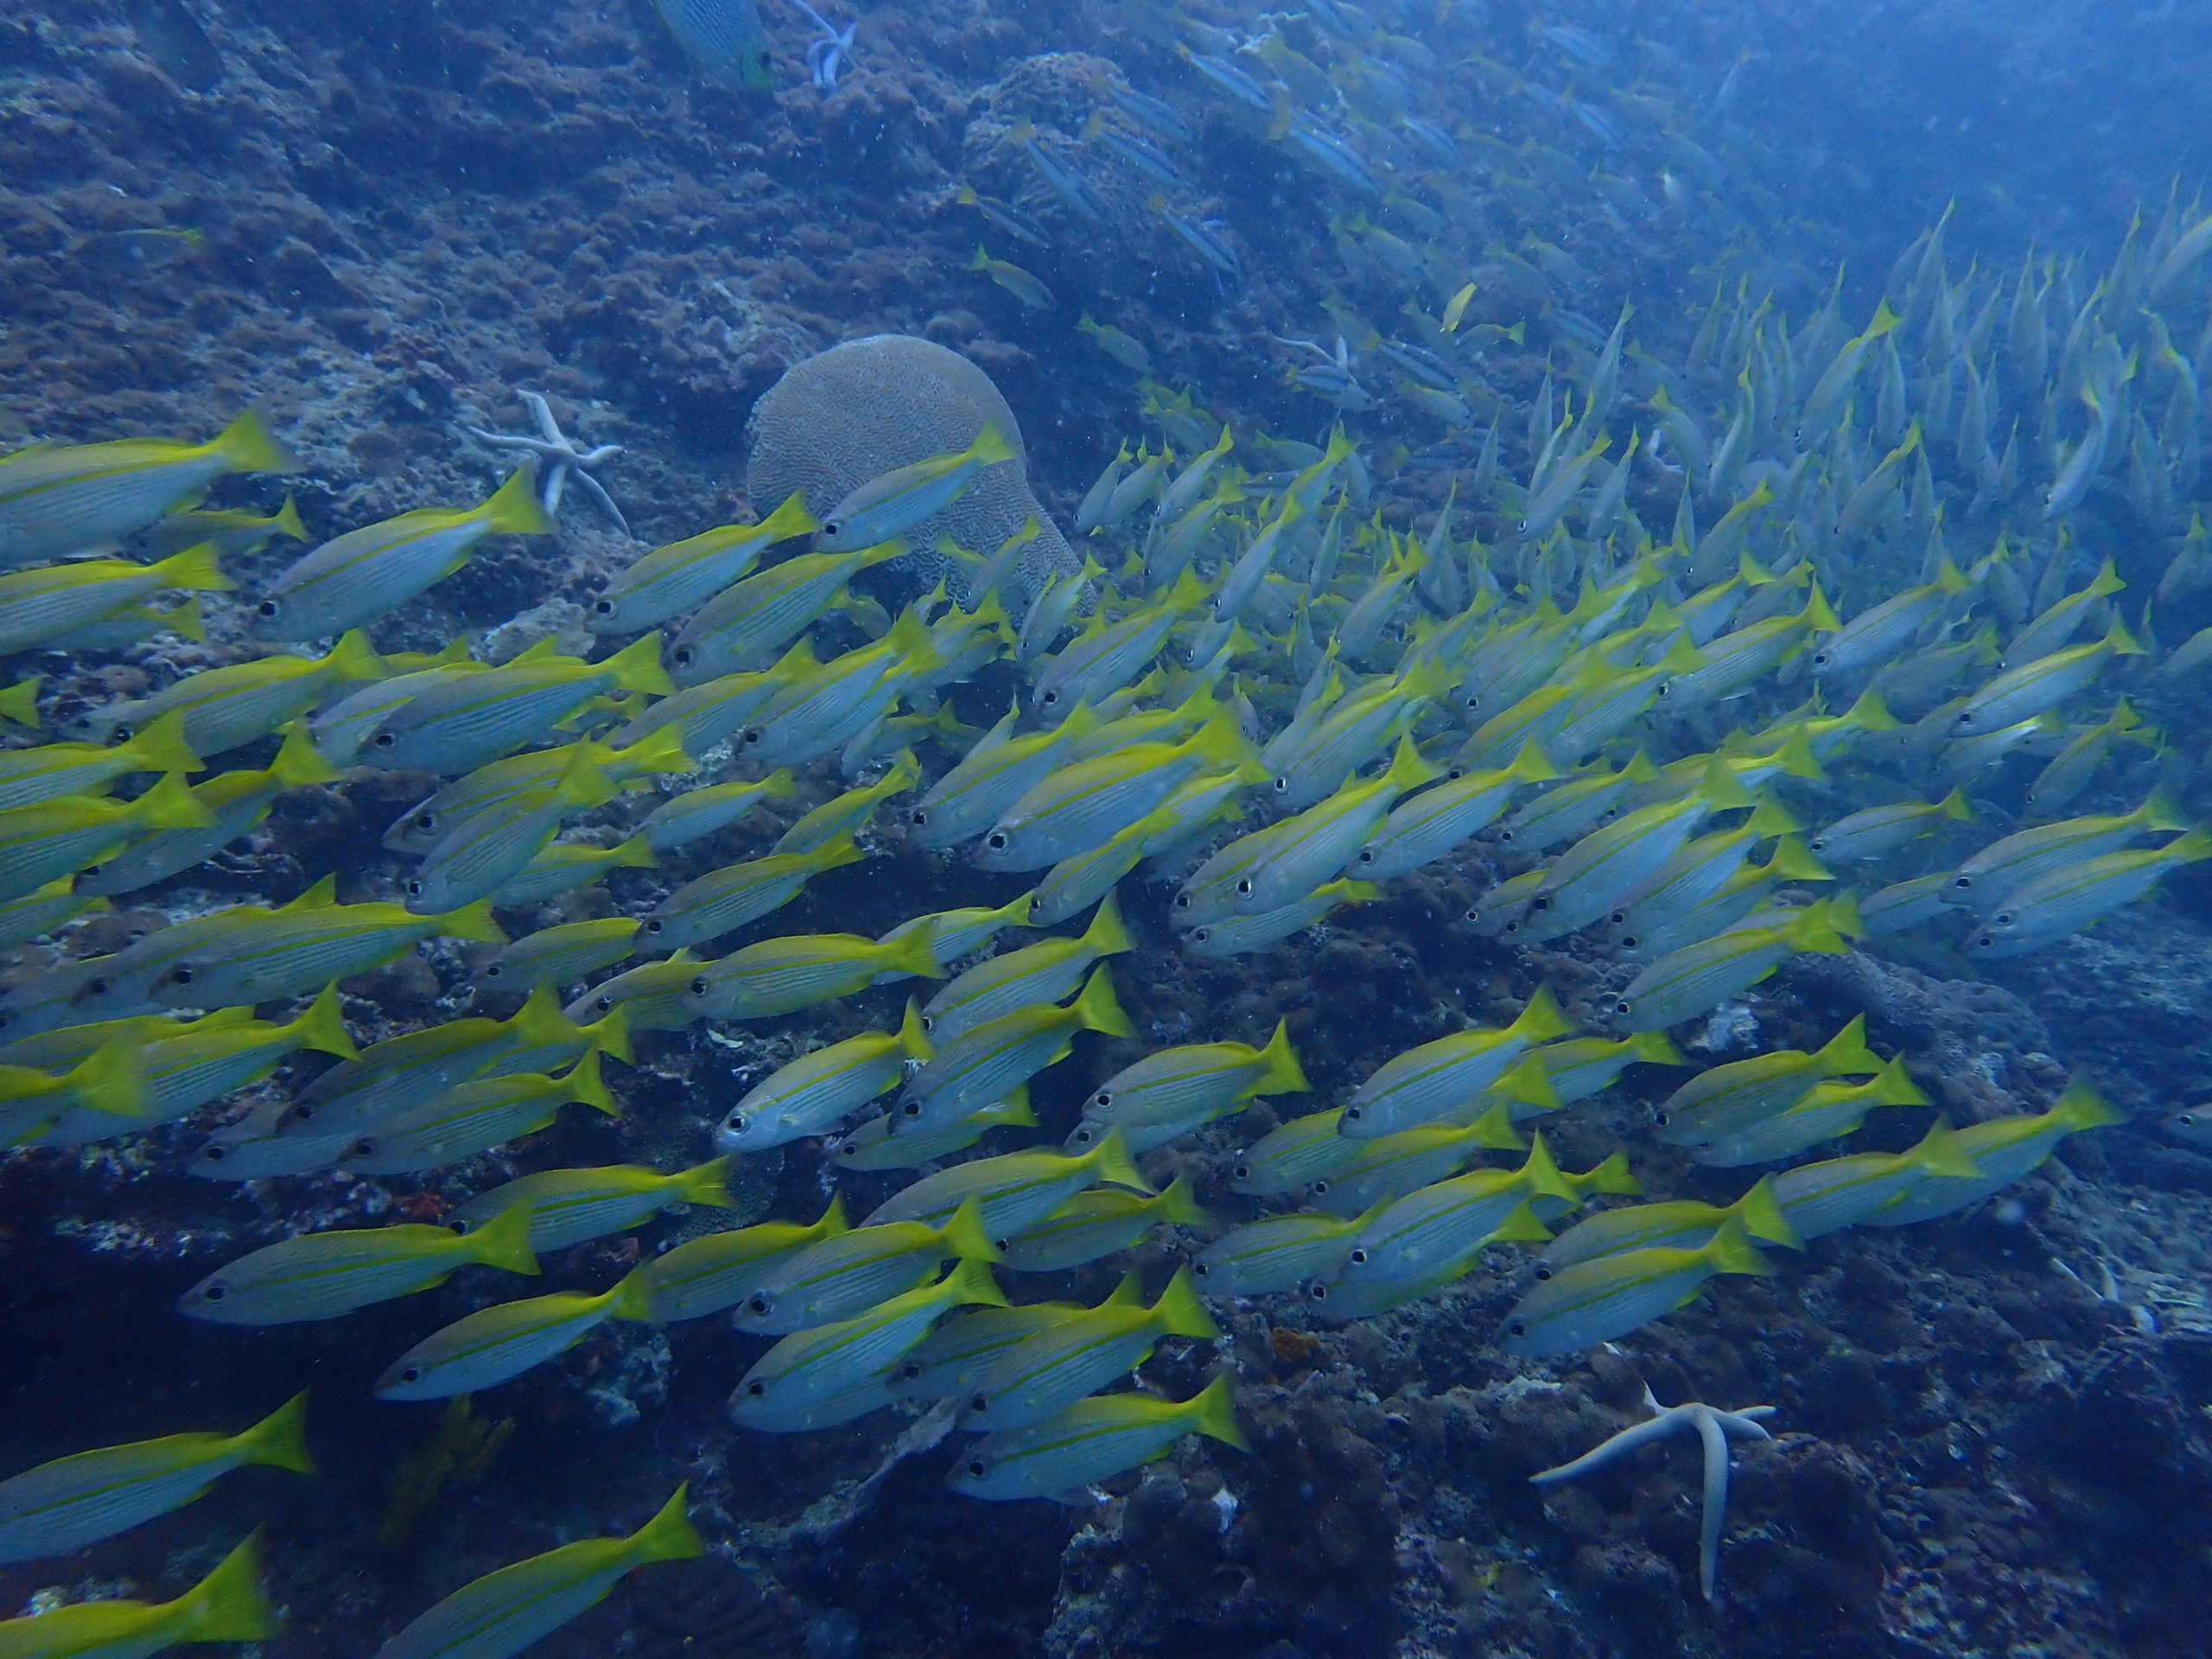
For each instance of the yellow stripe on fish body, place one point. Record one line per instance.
(1880, 631)
(1089, 1441)
(815, 714)
(834, 1373)
(990, 778)
(1529, 721)
(1356, 1292)
(812, 1093)
(705, 1276)
(1682, 1224)
(1039, 973)
(1104, 659)
(226, 707)
(1391, 1165)
(747, 626)
(846, 1276)
(559, 956)
(1292, 1156)
(1354, 731)
(505, 1611)
(50, 603)
(1201, 1079)
(234, 802)
(1053, 1368)
(179, 1073)
(1423, 1083)
(696, 813)
(1696, 978)
(353, 579)
(1599, 1300)
(59, 1506)
(56, 501)
(1093, 1225)
(227, 1606)
(1074, 884)
(1880, 829)
(465, 723)
(896, 502)
(1079, 807)
(680, 577)
(987, 1061)
(568, 1206)
(724, 901)
(1014, 1191)
(1606, 866)
(494, 1344)
(57, 837)
(1564, 814)
(1818, 1199)
(784, 975)
(2070, 899)
(475, 1116)
(2004, 1149)
(29, 776)
(322, 1275)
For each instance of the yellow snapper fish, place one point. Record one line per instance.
(505, 1611)
(813, 1093)
(39, 606)
(1090, 1441)
(784, 975)
(1609, 1296)
(227, 1606)
(476, 1116)
(461, 724)
(1044, 972)
(563, 955)
(670, 581)
(56, 837)
(353, 579)
(61, 1507)
(226, 707)
(567, 1206)
(1095, 1225)
(1052, 1370)
(891, 504)
(834, 1373)
(496, 1344)
(840, 1277)
(705, 1276)
(324, 1275)
(56, 501)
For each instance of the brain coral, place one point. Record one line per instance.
(859, 410)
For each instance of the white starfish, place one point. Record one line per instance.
(558, 459)
(1714, 1428)
(830, 52)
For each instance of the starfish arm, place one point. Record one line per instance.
(1715, 1515)
(1745, 1425)
(543, 412)
(1668, 1423)
(815, 17)
(556, 480)
(593, 488)
(598, 457)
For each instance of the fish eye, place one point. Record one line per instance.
(754, 734)
(492, 970)
(655, 926)
(735, 1123)
(995, 840)
(1962, 881)
(1243, 887)
(301, 1113)
(1544, 1273)
(458, 1223)
(1182, 901)
(1818, 844)
(426, 820)
(919, 815)
(214, 1293)
(832, 527)
(1103, 1097)
(1662, 1119)
(698, 989)
(120, 734)
(1318, 1188)
(97, 987)
(1202, 934)
(364, 1147)
(384, 740)
(1667, 690)
(267, 607)
(1318, 1292)
(181, 975)
(1821, 659)
(2003, 918)
(1050, 696)
(1367, 855)
(976, 1467)
(606, 1004)
(414, 889)
(1358, 1258)
(1519, 1327)
(681, 656)
(1353, 1113)
(910, 1370)
(756, 1388)
(759, 1302)
(1242, 1173)
(910, 1108)
(1505, 835)
(412, 1374)
(1986, 941)
(215, 1155)
(603, 607)
(1201, 1270)
(1624, 1007)
(1282, 786)
(979, 1402)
